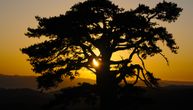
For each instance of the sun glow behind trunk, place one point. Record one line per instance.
(95, 62)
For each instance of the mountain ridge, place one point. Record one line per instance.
(18, 81)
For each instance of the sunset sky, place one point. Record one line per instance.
(17, 15)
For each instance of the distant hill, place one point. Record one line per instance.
(176, 83)
(164, 83)
(13, 82)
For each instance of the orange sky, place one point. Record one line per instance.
(17, 15)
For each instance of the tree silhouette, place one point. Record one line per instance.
(75, 37)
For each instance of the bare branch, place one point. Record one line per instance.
(127, 46)
(90, 69)
(132, 53)
(151, 17)
(143, 64)
(87, 48)
(120, 61)
(146, 80)
(165, 58)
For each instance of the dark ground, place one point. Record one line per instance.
(171, 96)
(22, 99)
(165, 98)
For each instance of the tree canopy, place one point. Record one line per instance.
(74, 36)
(102, 25)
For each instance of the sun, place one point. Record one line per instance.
(95, 62)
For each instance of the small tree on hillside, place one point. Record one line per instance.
(103, 26)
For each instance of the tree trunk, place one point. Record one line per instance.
(106, 88)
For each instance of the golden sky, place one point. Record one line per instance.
(17, 15)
